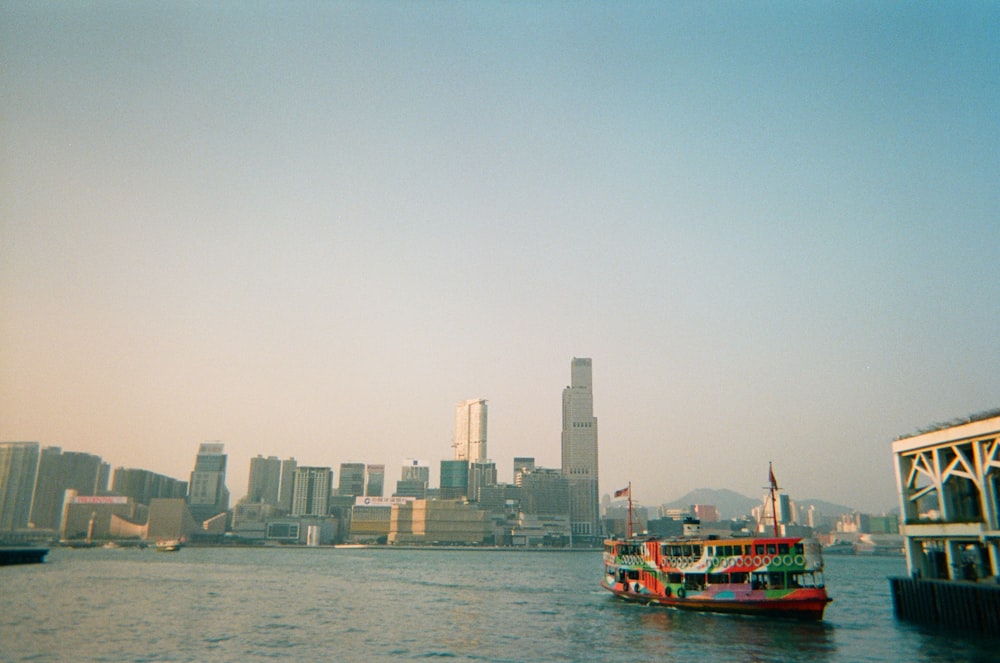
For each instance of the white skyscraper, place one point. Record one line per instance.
(470, 430)
(579, 450)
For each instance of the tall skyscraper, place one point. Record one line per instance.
(374, 480)
(265, 480)
(454, 479)
(311, 491)
(579, 450)
(143, 486)
(415, 469)
(522, 464)
(482, 474)
(18, 472)
(207, 492)
(58, 472)
(287, 484)
(413, 479)
(470, 430)
(352, 479)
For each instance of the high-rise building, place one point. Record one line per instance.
(413, 479)
(374, 480)
(58, 472)
(311, 491)
(579, 450)
(18, 472)
(415, 469)
(454, 479)
(544, 492)
(287, 484)
(264, 483)
(482, 473)
(144, 486)
(470, 430)
(352, 479)
(521, 464)
(207, 492)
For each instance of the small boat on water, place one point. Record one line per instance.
(171, 545)
(774, 576)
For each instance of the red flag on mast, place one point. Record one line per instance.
(770, 476)
(621, 493)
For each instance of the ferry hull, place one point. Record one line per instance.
(804, 608)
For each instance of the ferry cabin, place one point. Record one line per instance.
(736, 570)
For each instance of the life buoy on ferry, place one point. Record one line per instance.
(787, 559)
(756, 561)
(800, 560)
(766, 560)
(681, 592)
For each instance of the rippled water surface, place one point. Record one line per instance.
(222, 604)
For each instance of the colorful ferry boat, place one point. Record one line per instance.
(775, 576)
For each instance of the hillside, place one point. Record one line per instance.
(733, 505)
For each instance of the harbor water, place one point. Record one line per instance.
(245, 604)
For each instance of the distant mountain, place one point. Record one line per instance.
(729, 503)
(734, 505)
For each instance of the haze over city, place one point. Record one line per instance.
(310, 230)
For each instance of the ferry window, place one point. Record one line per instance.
(711, 551)
(665, 551)
(687, 551)
(771, 549)
(718, 578)
(759, 549)
(738, 578)
(748, 550)
(697, 551)
(633, 575)
(727, 551)
(782, 548)
(799, 549)
(675, 577)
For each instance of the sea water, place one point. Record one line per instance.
(246, 604)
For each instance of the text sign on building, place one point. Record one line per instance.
(381, 501)
(100, 499)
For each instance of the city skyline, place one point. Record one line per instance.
(310, 229)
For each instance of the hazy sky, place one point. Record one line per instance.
(310, 229)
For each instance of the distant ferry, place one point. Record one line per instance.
(772, 576)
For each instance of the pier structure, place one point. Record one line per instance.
(948, 481)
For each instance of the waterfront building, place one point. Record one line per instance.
(264, 483)
(96, 517)
(374, 480)
(454, 479)
(311, 491)
(504, 498)
(18, 472)
(482, 473)
(207, 492)
(352, 479)
(250, 519)
(143, 486)
(371, 517)
(579, 451)
(470, 430)
(411, 488)
(949, 495)
(287, 484)
(540, 530)
(450, 522)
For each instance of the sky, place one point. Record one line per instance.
(310, 229)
